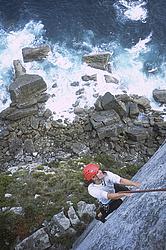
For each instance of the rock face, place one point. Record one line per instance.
(140, 222)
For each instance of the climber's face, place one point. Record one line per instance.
(99, 176)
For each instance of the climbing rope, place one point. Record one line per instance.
(144, 190)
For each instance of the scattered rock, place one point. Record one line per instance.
(35, 54)
(98, 61)
(159, 95)
(89, 78)
(110, 79)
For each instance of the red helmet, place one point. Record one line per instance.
(90, 171)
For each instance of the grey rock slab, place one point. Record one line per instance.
(37, 241)
(35, 54)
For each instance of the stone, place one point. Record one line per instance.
(159, 95)
(80, 148)
(26, 90)
(18, 68)
(74, 84)
(14, 114)
(84, 208)
(15, 145)
(104, 118)
(98, 61)
(73, 216)
(89, 78)
(137, 133)
(62, 221)
(143, 102)
(133, 109)
(28, 146)
(111, 79)
(108, 102)
(17, 210)
(37, 241)
(47, 113)
(35, 54)
(106, 123)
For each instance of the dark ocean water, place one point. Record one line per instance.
(70, 20)
(133, 30)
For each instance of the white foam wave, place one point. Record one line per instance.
(132, 10)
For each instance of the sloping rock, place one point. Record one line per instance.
(26, 90)
(98, 61)
(37, 241)
(14, 114)
(139, 223)
(159, 95)
(35, 54)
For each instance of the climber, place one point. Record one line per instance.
(104, 185)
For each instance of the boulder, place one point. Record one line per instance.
(28, 146)
(84, 208)
(98, 61)
(26, 90)
(137, 133)
(14, 114)
(142, 101)
(133, 109)
(106, 123)
(62, 221)
(80, 148)
(89, 78)
(109, 102)
(15, 145)
(104, 118)
(111, 79)
(35, 54)
(18, 68)
(73, 216)
(159, 95)
(37, 241)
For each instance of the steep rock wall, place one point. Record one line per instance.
(140, 222)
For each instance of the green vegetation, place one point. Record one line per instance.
(43, 194)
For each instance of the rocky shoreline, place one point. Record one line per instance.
(122, 126)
